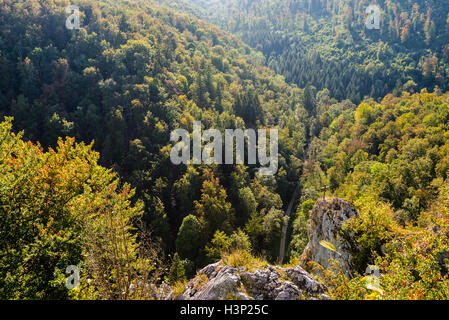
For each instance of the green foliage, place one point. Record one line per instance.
(248, 204)
(213, 210)
(244, 259)
(177, 272)
(187, 242)
(374, 227)
(326, 43)
(135, 71)
(299, 235)
(394, 150)
(60, 208)
(415, 267)
(222, 244)
(125, 80)
(239, 240)
(389, 159)
(219, 245)
(306, 207)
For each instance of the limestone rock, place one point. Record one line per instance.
(164, 292)
(218, 281)
(222, 281)
(303, 280)
(326, 221)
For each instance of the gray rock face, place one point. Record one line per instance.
(303, 280)
(263, 283)
(287, 291)
(164, 292)
(326, 221)
(222, 282)
(218, 282)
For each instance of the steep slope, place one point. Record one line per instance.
(126, 79)
(326, 43)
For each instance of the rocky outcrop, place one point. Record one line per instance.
(221, 282)
(164, 292)
(218, 282)
(326, 220)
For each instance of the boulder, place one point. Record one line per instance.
(219, 282)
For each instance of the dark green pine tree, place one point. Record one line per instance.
(309, 100)
(177, 272)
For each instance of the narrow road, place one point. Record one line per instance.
(285, 226)
(289, 211)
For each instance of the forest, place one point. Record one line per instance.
(325, 42)
(86, 117)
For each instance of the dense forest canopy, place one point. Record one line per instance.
(86, 117)
(128, 77)
(325, 42)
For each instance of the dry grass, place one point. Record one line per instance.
(200, 281)
(294, 261)
(244, 259)
(178, 288)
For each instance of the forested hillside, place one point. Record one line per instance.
(86, 116)
(60, 208)
(130, 75)
(391, 160)
(325, 42)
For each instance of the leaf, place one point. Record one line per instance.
(375, 287)
(328, 245)
(372, 296)
(372, 284)
(364, 279)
